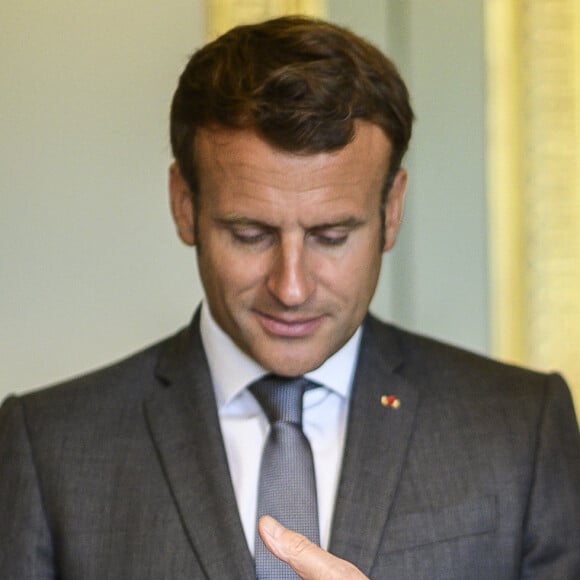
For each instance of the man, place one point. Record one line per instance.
(430, 462)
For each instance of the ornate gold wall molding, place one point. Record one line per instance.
(224, 14)
(533, 50)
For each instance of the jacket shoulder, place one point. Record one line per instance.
(103, 392)
(437, 366)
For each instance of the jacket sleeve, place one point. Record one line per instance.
(26, 549)
(552, 528)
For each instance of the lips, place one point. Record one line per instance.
(289, 327)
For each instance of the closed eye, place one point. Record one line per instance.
(249, 235)
(334, 234)
(331, 238)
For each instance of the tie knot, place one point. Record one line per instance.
(281, 397)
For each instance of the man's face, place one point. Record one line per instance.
(289, 245)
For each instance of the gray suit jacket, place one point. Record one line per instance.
(122, 474)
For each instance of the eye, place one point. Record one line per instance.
(331, 237)
(249, 235)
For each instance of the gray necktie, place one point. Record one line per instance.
(287, 488)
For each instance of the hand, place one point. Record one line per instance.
(308, 560)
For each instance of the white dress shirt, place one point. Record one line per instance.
(245, 427)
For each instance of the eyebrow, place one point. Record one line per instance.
(239, 220)
(347, 223)
(234, 219)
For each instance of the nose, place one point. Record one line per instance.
(289, 280)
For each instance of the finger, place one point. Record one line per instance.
(308, 560)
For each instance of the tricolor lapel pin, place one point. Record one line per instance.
(390, 401)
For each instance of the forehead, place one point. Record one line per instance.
(240, 165)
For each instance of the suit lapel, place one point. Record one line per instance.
(184, 425)
(375, 449)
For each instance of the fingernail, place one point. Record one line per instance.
(271, 526)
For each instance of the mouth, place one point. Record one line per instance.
(289, 327)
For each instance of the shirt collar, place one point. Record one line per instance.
(232, 370)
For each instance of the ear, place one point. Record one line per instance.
(394, 209)
(182, 207)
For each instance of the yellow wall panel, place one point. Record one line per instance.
(534, 182)
(224, 14)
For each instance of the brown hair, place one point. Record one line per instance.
(300, 83)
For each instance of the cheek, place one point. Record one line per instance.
(231, 272)
(352, 277)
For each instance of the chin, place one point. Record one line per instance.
(291, 368)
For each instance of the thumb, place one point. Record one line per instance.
(308, 560)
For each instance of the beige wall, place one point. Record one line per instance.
(90, 267)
